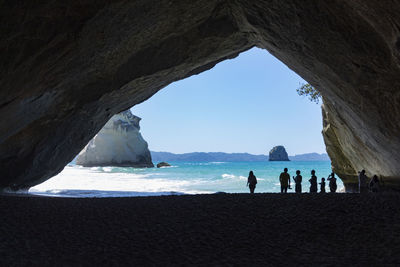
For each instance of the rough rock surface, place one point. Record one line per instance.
(67, 67)
(341, 165)
(278, 153)
(119, 143)
(163, 164)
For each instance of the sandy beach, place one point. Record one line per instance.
(219, 229)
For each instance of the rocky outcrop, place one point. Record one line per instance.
(341, 165)
(163, 164)
(278, 153)
(119, 143)
(352, 153)
(67, 67)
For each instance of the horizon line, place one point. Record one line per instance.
(236, 153)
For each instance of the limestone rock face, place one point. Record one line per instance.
(67, 67)
(119, 143)
(278, 153)
(352, 153)
(341, 164)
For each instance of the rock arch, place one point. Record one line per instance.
(66, 68)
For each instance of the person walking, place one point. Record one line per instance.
(313, 182)
(284, 179)
(362, 182)
(332, 182)
(374, 184)
(298, 179)
(251, 182)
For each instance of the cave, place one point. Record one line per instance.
(66, 68)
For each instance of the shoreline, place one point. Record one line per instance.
(79, 194)
(213, 229)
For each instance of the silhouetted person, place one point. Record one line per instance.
(362, 182)
(322, 183)
(313, 183)
(298, 180)
(374, 184)
(284, 178)
(332, 182)
(251, 182)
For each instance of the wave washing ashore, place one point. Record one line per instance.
(181, 178)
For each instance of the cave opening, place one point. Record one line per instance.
(248, 104)
(63, 81)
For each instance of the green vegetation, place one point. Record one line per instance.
(307, 89)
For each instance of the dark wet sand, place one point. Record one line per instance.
(222, 229)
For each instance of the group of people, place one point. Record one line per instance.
(284, 179)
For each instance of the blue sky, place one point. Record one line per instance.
(247, 104)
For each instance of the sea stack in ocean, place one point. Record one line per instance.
(119, 143)
(278, 153)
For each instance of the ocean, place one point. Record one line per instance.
(180, 178)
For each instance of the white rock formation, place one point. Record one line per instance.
(119, 143)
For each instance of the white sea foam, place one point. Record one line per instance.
(228, 176)
(101, 182)
(168, 167)
(107, 169)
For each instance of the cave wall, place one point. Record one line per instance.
(341, 165)
(66, 68)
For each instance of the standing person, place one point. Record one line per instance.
(322, 183)
(284, 179)
(362, 182)
(374, 184)
(298, 180)
(313, 182)
(332, 182)
(251, 182)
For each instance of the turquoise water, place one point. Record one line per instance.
(180, 178)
